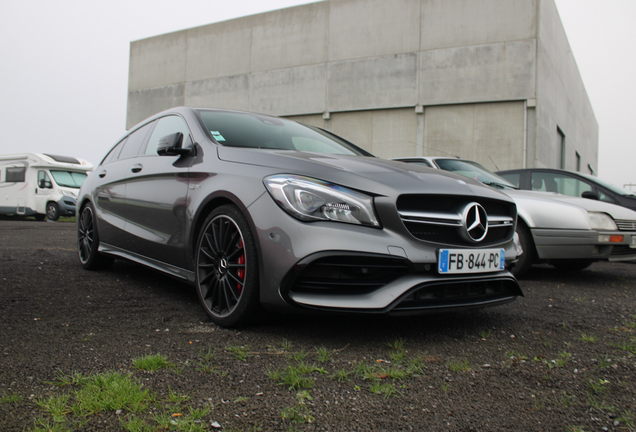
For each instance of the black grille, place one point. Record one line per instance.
(447, 234)
(349, 274)
(462, 293)
(623, 251)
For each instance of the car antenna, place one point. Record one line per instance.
(493, 162)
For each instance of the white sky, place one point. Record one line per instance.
(64, 68)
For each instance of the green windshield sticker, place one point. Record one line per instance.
(217, 135)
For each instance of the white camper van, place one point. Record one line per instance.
(40, 185)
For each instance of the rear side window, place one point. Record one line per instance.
(16, 174)
(134, 142)
(114, 153)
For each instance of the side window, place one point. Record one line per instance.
(513, 178)
(605, 197)
(559, 183)
(166, 126)
(15, 174)
(43, 180)
(114, 153)
(134, 142)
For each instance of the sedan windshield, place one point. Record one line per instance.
(69, 179)
(237, 129)
(474, 171)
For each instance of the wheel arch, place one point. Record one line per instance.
(205, 208)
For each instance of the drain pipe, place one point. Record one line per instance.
(525, 133)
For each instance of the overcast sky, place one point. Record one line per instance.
(64, 68)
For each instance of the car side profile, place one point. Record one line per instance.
(570, 183)
(567, 232)
(260, 212)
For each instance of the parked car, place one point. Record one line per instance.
(262, 212)
(570, 183)
(568, 232)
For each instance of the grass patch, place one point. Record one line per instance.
(11, 399)
(152, 363)
(299, 413)
(458, 366)
(240, 352)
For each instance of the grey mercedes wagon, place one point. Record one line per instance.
(260, 212)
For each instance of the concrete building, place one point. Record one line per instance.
(488, 80)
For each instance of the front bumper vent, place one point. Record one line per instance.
(349, 274)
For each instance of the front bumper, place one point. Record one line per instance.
(332, 266)
(67, 206)
(554, 244)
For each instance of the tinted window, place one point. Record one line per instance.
(16, 174)
(235, 129)
(134, 142)
(562, 184)
(166, 126)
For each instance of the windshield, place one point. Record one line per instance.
(474, 171)
(236, 129)
(610, 186)
(71, 179)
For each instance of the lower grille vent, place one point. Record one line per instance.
(349, 274)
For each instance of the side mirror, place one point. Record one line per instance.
(589, 195)
(41, 184)
(171, 145)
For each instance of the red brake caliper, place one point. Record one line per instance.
(241, 272)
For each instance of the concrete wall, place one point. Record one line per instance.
(562, 101)
(469, 65)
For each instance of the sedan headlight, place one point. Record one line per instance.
(67, 193)
(309, 199)
(602, 221)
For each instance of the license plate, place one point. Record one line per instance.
(471, 260)
(633, 243)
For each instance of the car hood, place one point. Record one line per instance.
(615, 211)
(552, 210)
(369, 174)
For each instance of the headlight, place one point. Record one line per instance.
(602, 221)
(67, 193)
(309, 199)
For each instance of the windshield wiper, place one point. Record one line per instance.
(498, 185)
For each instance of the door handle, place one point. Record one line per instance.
(102, 174)
(136, 168)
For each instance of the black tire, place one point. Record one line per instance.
(227, 275)
(39, 217)
(529, 251)
(88, 241)
(572, 265)
(52, 212)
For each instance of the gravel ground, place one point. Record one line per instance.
(561, 358)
